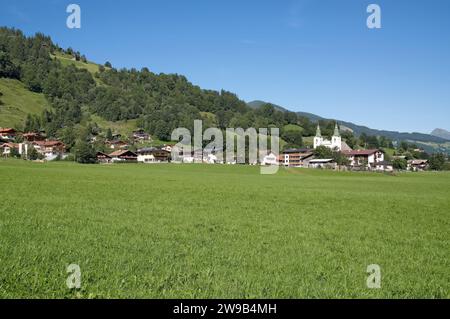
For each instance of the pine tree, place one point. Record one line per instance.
(84, 152)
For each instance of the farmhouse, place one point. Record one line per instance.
(168, 147)
(117, 145)
(7, 147)
(322, 163)
(153, 155)
(50, 149)
(383, 166)
(418, 165)
(103, 158)
(141, 135)
(32, 137)
(364, 158)
(8, 134)
(123, 156)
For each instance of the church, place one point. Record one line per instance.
(336, 142)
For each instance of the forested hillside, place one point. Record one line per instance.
(157, 102)
(56, 90)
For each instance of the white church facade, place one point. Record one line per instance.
(334, 144)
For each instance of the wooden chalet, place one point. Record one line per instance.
(8, 134)
(123, 156)
(103, 158)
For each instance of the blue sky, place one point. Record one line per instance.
(307, 55)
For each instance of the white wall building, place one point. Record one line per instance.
(146, 158)
(368, 158)
(270, 159)
(335, 143)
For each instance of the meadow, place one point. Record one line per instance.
(197, 231)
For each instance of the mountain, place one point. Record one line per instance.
(439, 132)
(359, 129)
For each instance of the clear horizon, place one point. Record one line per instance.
(303, 55)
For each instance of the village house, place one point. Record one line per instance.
(22, 149)
(210, 159)
(322, 163)
(32, 137)
(103, 158)
(117, 145)
(50, 149)
(270, 160)
(366, 158)
(168, 147)
(383, 166)
(418, 165)
(123, 156)
(8, 134)
(146, 155)
(296, 157)
(141, 135)
(153, 155)
(7, 147)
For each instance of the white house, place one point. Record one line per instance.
(22, 149)
(146, 158)
(322, 163)
(50, 149)
(167, 148)
(270, 159)
(210, 159)
(368, 158)
(418, 165)
(383, 166)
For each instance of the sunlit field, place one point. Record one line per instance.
(198, 231)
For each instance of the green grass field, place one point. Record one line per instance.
(18, 102)
(193, 231)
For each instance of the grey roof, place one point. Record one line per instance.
(325, 160)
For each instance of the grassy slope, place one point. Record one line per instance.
(18, 103)
(121, 127)
(67, 60)
(221, 231)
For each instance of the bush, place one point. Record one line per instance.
(14, 153)
(85, 153)
(33, 154)
(438, 162)
(400, 164)
(69, 158)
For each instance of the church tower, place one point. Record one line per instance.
(318, 139)
(336, 140)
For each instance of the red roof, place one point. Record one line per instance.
(49, 143)
(31, 134)
(10, 145)
(360, 152)
(7, 130)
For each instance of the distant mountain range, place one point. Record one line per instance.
(440, 136)
(439, 132)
